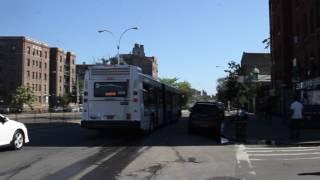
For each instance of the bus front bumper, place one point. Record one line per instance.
(98, 124)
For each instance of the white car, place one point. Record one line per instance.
(12, 133)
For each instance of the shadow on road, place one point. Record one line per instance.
(64, 134)
(131, 145)
(310, 174)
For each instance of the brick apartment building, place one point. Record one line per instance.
(24, 61)
(295, 48)
(70, 72)
(62, 74)
(148, 65)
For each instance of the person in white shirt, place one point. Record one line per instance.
(296, 108)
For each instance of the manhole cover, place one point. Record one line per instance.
(224, 178)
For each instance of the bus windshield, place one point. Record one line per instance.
(110, 89)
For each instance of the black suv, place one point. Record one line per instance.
(208, 116)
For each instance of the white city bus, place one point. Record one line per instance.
(123, 97)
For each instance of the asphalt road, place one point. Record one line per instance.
(62, 150)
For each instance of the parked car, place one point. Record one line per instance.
(5, 110)
(206, 116)
(75, 109)
(71, 109)
(56, 109)
(80, 107)
(12, 133)
(15, 110)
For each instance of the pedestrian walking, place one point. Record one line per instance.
(296, 108)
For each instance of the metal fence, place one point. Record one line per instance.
(45, 117)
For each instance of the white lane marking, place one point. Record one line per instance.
(281, 150)
(97, 164)
(142, 149)
(291, 159)
(242, 155)
(282, 154)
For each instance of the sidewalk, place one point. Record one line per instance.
(274, 131)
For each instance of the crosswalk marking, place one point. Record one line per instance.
(282, 150)
(287, 154)
(279, 148)
(285, 159)
(281, 153)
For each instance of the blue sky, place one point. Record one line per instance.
(189, 38)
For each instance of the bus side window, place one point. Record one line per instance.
(146, 95)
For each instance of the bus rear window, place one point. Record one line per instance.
(110, 89)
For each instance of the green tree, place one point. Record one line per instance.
(222, 90)
(171, 81)
(229, 88)
(184, 87)
(267, 42)
(65, 99)
(232, 84)
(24, 95)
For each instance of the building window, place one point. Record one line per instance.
(32, 87)
(39, 98)
(60, 79)
(45, 76)
(28, 50)
(40, 64)
(318, 13)
(36, 87)
(28, 74)
(11, 85)
(33, 63)
(45, 65)
(311, 18)
(32, 75)
(60, 68)
(39, 75)
(36, 63)
(39, 87)
(60, 59)
(36, 75)
(33, 52)
(28, 62)
(72, 61)
(45, 54)
(45, 88)
(40, 53)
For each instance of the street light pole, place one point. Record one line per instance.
(119, 41)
